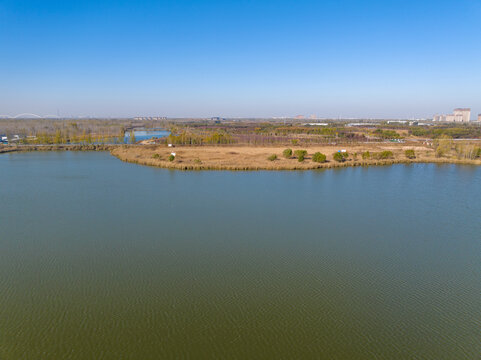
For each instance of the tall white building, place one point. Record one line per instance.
(465, 114)
(458, 115)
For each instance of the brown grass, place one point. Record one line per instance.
(256, 158)
(251, 157)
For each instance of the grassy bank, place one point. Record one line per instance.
(261, 157)
(272, 158)
(86, 147)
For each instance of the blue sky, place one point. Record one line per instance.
(240, 58)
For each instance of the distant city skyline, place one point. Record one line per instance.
(435, 117)
(346, 59)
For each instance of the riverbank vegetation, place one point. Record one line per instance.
(58, 147)
(319, 157)
(73, 131)
(250, 132)
(254, 144)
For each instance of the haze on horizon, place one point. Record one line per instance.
(373, 59)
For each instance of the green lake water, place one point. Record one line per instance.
(101, 259)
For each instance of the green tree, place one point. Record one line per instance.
(410, 154)
(386, 154)
(171, 157)
(287, 153)
(387, 134)
(299, 153)
(132, 137)
(58, 137)
(337, 156)
(121, 135)
(442, 145)
(477, 153)
(272, 157)
(318, 157)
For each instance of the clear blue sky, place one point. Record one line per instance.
(240, 58)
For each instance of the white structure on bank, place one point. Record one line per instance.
(458, 115)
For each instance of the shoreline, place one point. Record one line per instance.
(245, 158)
(238, 158)
(57, 147)
(182, 167)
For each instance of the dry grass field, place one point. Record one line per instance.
(256, 158)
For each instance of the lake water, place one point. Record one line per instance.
(101, 259)
(141, 135)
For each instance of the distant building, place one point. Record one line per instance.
(479, 118)
(397, 121)
(150, 118)
(217, 119)
(453, 118)
(458, 115)
(362, 124)
(300, 117)
(465, 114)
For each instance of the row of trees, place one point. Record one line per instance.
(65, 138)
(300, 155)
(382, 155)
(450, 132)
(54, 131)
(189, 138)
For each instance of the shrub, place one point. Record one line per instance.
(386, 154)
(366, 155)
(383, 155)
(272, 157)
(300, 158)
(294, 141)
(156, 156)
(467, 152)
(300, 153)
(132, 138)
(287, 153)
(387, 134)
(477, 153)
(337, 156)
(318, 157)
(197, 161)
(171, 157)
(410, 154)
(442, 145)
